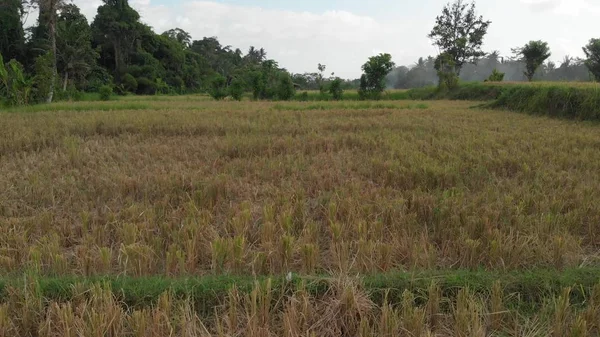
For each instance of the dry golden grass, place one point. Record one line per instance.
(345, 310)
(189, 187)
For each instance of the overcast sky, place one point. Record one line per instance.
(342, 34)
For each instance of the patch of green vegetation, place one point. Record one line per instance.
(530, 288)
(354, 106)
(80, 106)
(349, 95)
(579, 102)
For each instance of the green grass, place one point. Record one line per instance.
(562, 100)
(349, 95)
(80, 107)
(346, 106)
(531, 287)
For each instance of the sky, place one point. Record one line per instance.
(343, 34)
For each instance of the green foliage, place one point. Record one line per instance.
(15, 87)
(12, 36)
(335, 89)
(445, 66)
(459, 32)
(162, 87)
(592, 54)
(179, 35)
(146, 86)
(268, 81)
(237, 88)
(303, 97)
(98, 77)
(534, 54)
(496, 76)
(320, 79)
(372, 82)
(534, 286)
(71, 94)
(76, 59)
(129, 83)
(285, 88)
(44, 76)
(106, 92)
(115, 29)
(553, 100)
(218, 87)
(563, 101)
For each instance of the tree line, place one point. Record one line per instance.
(64, 55)
(459, 33)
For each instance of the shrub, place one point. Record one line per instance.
(130, 84)
(335, 89)
(71, 94)
(218, 87)
(97, 78)
(285, 87)
(496, 76)
(237, 88)
(15, 88)
(303, 96)
(42, 81)
(146, 86)
(105, 92)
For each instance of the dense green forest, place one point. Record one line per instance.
(63, 56)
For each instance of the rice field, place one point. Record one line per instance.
(295, 207)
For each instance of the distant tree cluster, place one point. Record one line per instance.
(63, 55)
(459, 33)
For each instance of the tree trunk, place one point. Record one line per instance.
(52, 36)
(66, 81)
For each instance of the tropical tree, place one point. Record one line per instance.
(75, 56)
(46, 32)
(375, 70)
(12, 36)
(459, 33)
(592, 54)
(115, 29)
(179, 35)
(320, 78)
(534, 54)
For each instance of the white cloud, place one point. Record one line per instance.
(343, 40)
(564, 7)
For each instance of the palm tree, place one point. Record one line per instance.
(48, 10)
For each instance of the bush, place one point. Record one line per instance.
(42, 81)
(130, 84)
(237, 88)
(336, 90)
(15, 87)
(218, 87)
(285, 87)
(105, 92)
(146, 86)
(71, 94)
(303, 96)
(97, 78)
(496, 76)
